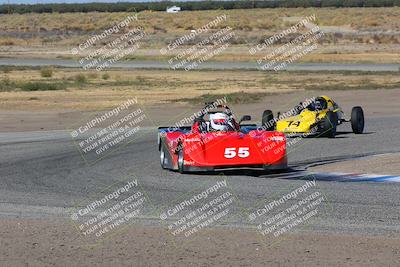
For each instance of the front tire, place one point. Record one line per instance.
(162, 158)
(357, 120)
(268, 120)
(181, 161)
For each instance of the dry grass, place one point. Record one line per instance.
(53, 35)
(250, 25)
(239, 19)
(324, 53)
(161, 86)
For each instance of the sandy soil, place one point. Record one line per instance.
(388, 164)
(29, 242)
(340, 53)
(376, 103)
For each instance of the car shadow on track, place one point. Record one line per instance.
(339, 133)
(250, 172)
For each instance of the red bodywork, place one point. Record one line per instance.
(215, 150)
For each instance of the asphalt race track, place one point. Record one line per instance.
(44, 175)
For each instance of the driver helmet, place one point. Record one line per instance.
(320, 103)
(219, 121)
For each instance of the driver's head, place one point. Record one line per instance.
(219, 121)
(320, 103)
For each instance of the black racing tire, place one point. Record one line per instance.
(329, 124)
(267, 120)
(357, 120)
(181, 162)
(162, 157)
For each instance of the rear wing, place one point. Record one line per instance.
(185, 129)
(169, 129)
(246, 128)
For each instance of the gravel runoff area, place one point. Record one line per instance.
(28, 242)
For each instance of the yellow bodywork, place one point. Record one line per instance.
(305, 121)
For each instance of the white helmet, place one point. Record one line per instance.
(219, 121)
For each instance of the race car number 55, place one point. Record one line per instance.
(242, 152)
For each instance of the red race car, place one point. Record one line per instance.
(217, 141)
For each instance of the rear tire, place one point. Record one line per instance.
(181, 162)
(329, 124)
(357, 120)
(268, 120)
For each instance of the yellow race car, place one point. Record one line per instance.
(319, 116)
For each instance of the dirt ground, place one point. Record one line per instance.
(376, 103)
(57, 243)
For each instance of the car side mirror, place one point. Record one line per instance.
(245, 118)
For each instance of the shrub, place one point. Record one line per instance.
(7, 69)
(40, 86)
(6, 85)
(80, 78)
(105, 76)
(235, 98)
(46, 72)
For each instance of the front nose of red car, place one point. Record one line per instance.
(236, 149)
